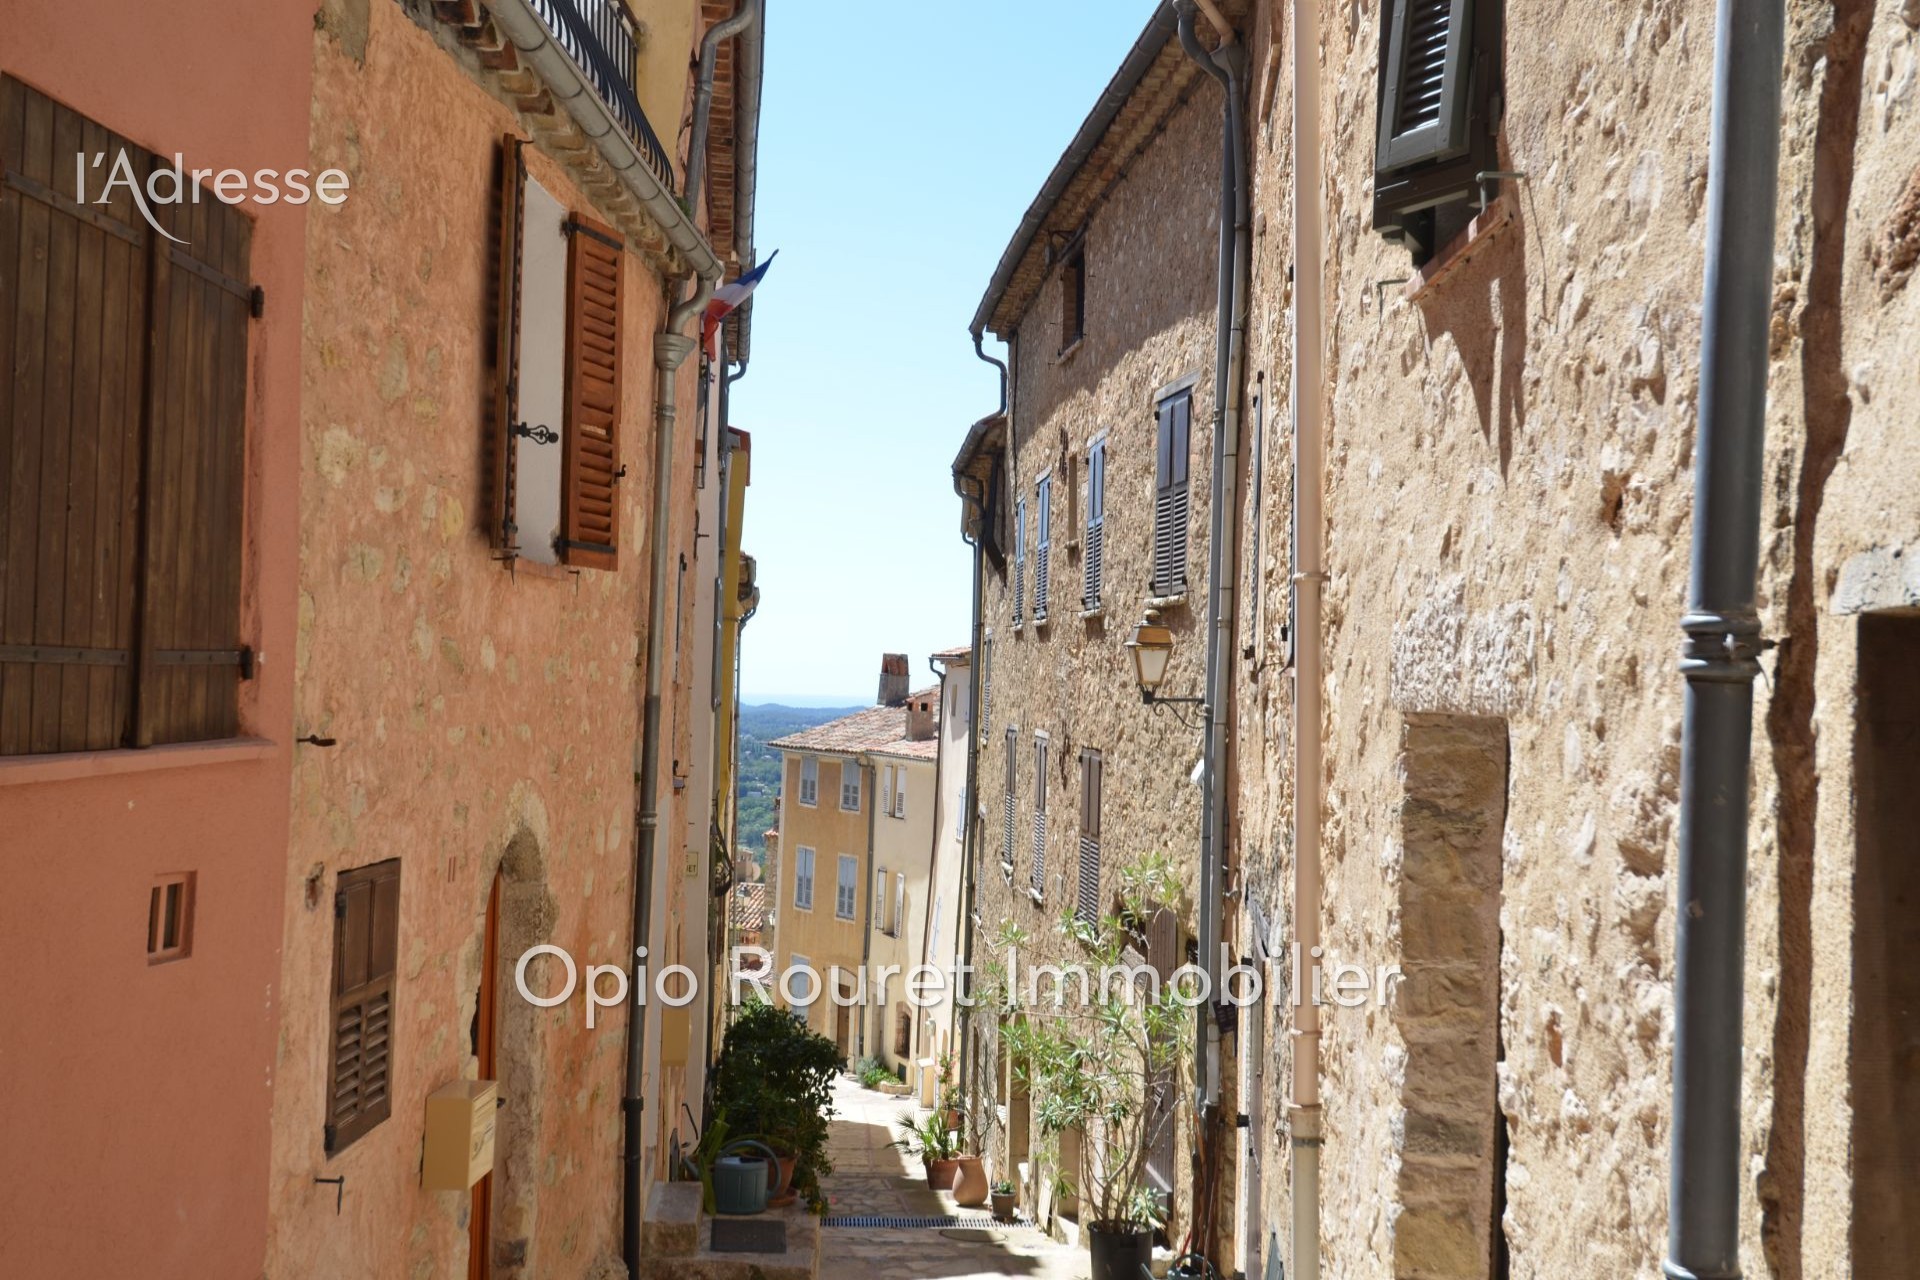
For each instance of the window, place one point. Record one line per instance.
(803, 879)
(125, 575)
(899, 901)
(556, 422)
(1019, 559)
(1006, 839)
(1170, 494)
(170, 918)
(810, 781)
(886, 789)
(1086, 903)
(802, 1009)
(1042, 544)
(1039, 882)
(1435, 99)
(366, 939)
(846, 887)
(1073, 296)
(850, 786)
(880, 920)
(1096, 523)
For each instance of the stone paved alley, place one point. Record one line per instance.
(871, 1178)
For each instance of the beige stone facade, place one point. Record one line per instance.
(1508, 501)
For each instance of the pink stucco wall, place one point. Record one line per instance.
(134, 1121)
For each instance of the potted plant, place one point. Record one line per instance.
(1002, 1194)
(970, 1182)
(1109, 1069)
(935, 1146)
(774, 1080)
(947, 1101)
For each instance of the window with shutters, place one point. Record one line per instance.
(846, 887)
(366, 939)
(899, 901)
(810, 781)
(1170, 497)
(1006, 839)
(1436, 106)
(1073, 296)
(555, 437)
(170, 918)
(1019, 560)
(1042, 544)
(1086, 902)
(123, 446)
(886, 789)
(900, 794)
(849, 786)
(1038, 881)
(803, 879)
(881, 920)
(1091, 560)
(986, 686)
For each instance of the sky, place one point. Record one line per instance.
(899, 147)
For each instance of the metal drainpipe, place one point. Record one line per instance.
(1226, 65)
(726, 29)
(868, 796)
(671, 346)
(1720, 655)
(1309, 398)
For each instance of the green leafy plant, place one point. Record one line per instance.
(1002, 1187)
(928, 1140)
(1109, 1067)
(873, 1073)
(774, 1081)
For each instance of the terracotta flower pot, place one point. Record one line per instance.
(780, 1182)
(970, 1187)
(942, 1174)
(1003, 1206)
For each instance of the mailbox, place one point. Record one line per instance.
(460, 1124)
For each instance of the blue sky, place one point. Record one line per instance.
(899, 145)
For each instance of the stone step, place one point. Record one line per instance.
(686, 1251)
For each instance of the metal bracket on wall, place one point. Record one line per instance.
(1485, 176)
(339, 1186)
(1379, 292)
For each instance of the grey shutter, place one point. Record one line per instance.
(1039, 875)
(1087, 901)
(1170, 504)
(1019, 559)
(1096, 524)
(1006, 840)
(1423, 89)
(1043, 545)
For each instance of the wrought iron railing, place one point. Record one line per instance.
(601, 37)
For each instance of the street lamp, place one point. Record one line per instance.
(1151, 646)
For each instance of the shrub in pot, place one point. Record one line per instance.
(1108, 1068)
(1003, 1200)
(935, 1146)
(774, 1080)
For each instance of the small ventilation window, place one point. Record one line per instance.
(170, 918)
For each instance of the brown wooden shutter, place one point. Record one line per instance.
(590, 468)
(1087, 900)
(73, 290)
(501, 530)
(195, 476)
(366, 938)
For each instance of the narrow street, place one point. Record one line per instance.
(871, 1178)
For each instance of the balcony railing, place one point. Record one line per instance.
(600, 37)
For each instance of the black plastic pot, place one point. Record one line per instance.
(1120, 1250)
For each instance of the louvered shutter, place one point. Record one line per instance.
(501, 530)
(590, 466)
(1019, 559)
(1170, 505)
(1039, 870)
(188, 689)
(1096, 523)
(1087, 900)
(1423, 89)
(1163, 950)
(1043, 545)
(366, 935)
(1006, 840)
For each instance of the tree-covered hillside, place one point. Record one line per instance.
(760, 765)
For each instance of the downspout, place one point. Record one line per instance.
(1227, 65)
(869, 796)
(1722, 648)
(671, 346)
(726, 29)
(1309, 399)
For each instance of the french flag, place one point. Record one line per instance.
(727, 299)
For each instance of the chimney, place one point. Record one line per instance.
(893, 680)
(923, 716)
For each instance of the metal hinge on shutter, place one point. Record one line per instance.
(339, 906)
(573, 228)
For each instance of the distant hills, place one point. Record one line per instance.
(759, 779)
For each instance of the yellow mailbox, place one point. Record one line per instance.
(460, 1123)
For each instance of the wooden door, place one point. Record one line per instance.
(487, 1018)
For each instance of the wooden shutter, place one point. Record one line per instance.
(1019, 558)
(501, 530)
(1423, 82)
(366, 937)
(1012, 757)
(1170, 505)
(122, 446)
(195, 472)
(590, 466)
(1087, 901)
(1043, 545)
(1096, 523)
